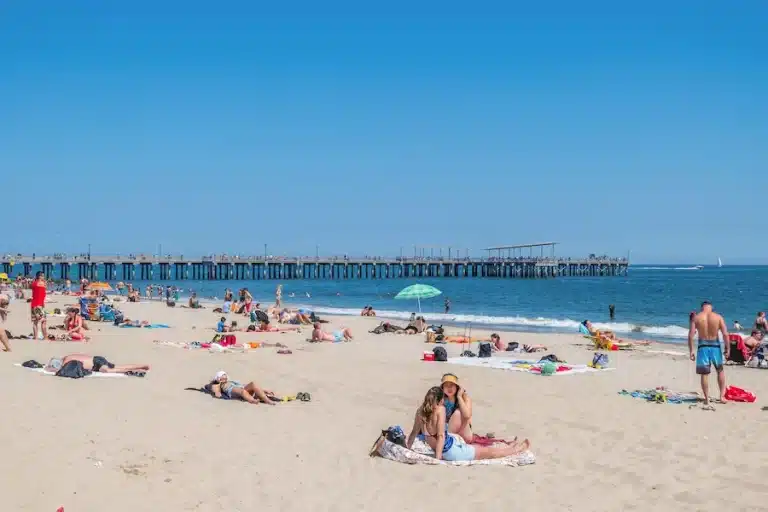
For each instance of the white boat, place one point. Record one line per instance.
(699, 267)
(719, 262)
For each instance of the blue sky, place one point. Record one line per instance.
(363, 128)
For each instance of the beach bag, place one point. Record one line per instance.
(735, 394)
(440, 354)
(394, 435)
(484, 350)
(431, 337)
(73, 370)
(599, 361)
(228, 340)
(512, 346)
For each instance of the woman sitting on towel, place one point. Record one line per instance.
(430, 425)
(458, 407)
(251, 393)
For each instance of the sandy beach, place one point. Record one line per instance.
(127, 444)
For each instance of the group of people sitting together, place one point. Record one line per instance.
(444, 422)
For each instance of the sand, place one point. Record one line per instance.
(147, 444)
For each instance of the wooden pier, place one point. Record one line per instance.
(153, 268)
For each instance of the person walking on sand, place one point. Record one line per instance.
(708, 325)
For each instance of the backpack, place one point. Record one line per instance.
(440, 354)
(228, 340)
(512, 346)
(484, 350)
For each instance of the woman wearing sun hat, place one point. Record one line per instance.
(458, 407)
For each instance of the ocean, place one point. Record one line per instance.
(652, 302)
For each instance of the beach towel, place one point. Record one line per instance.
(96, 374)
(421, 453)
(662, 396)
(522, 365)
(149, 326)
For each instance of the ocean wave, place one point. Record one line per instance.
(539, 323)
(665, 268)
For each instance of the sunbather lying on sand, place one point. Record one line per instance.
(251, 393)
(96, 364)
(344, 334)
(267, 327)
(430, 425)
(514, 346)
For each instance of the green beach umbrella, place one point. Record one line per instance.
(418, 292)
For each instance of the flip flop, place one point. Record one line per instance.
(284, 351)
(304, 397)
(136, 374)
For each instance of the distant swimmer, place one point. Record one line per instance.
(612, 311)
(708, 325)
(737, 326)
(447, 306)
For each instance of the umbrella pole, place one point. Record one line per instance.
(418, 300)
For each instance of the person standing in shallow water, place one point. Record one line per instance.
(447, 305)
(612, 311)
(709, 325)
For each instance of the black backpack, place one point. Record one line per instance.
(440, 354)
(484, 350)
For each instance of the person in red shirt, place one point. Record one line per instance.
(38, 306)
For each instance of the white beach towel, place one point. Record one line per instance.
(519, 365)
(96, 374)
(423, 454)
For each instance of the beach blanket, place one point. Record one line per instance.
(97, 374)
(149, 326)
(421, 453)
(522, 365)
(662, 396)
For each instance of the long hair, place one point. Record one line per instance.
(432, 399)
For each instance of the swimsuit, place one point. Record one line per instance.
(338, 336)
(228, 386)
(708, 353)
(99, 361)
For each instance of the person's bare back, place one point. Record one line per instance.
(708, 324)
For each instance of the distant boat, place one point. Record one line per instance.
(699, 267)
(719, 262)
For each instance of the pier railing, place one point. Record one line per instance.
(223, 267)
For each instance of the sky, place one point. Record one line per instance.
(338, 127)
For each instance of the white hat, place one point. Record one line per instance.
(219, 375)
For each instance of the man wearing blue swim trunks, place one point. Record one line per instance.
(709, 325)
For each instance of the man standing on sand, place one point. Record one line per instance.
(38, 306)
(709, 324)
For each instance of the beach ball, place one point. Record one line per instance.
(548, 368)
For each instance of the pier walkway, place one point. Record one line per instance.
(132, 267)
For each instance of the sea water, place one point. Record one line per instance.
(651, 301)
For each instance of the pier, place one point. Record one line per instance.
(504, 262)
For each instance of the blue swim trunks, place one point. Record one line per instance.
(338, 336)
(708, 354)
(459, 450)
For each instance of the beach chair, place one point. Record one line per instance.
(739, 353)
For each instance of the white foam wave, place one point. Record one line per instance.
(565, 325)
(665, 268)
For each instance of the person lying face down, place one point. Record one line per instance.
(251, 393)
(345, 334)
(95, 364)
